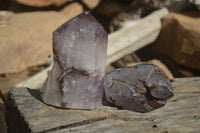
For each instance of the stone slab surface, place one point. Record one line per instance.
(179, 39)
(27, 40)
(27, 113)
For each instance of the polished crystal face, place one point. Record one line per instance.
(76, 79)
(139, 88)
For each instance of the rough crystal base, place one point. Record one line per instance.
(141, 88)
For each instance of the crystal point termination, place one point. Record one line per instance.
(76, 79)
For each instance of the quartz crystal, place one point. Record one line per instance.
(76, 79)
(140, 88)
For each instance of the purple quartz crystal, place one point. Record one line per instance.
(76, 79)
(141, 88)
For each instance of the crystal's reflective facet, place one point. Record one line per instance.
(76, 79)
(141, 88)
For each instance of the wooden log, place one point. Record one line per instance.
(37, 80)
(134, 35)
(27, 113)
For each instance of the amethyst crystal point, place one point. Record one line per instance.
(76, 79)
(141, 88)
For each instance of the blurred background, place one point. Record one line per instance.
(161, 32)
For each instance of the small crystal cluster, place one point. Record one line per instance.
(76, 79)
(141, 88)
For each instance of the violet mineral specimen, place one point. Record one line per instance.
(76, 79)
(141, 88)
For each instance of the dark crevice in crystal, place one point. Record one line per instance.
(138, 90)
(152, 101)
